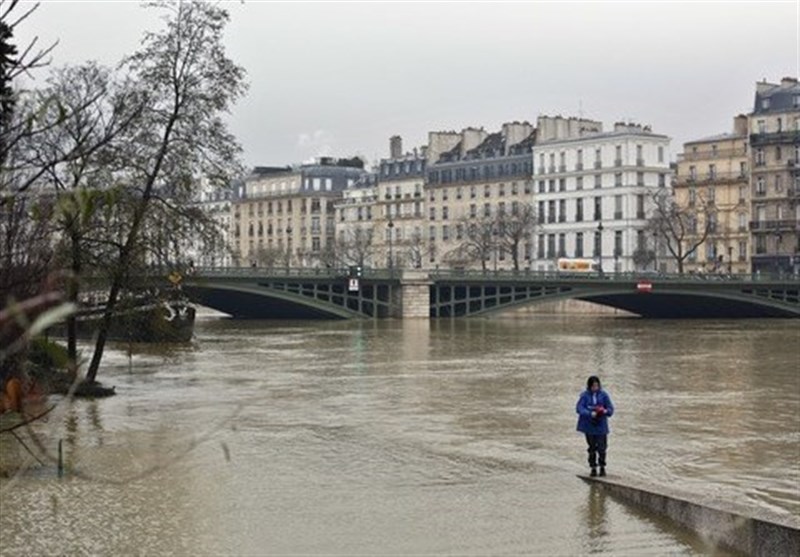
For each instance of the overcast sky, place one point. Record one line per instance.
(340, 78)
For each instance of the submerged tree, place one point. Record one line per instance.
(180, 136)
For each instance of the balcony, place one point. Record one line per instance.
(711, 155)
(774, 225)
(774, 138)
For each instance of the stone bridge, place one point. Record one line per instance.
(382, 293)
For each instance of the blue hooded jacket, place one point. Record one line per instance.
(597, 426)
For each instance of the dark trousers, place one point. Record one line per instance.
(597, 448)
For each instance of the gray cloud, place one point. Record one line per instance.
(340, 78)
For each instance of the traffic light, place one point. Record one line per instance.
(355, 271)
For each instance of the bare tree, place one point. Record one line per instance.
(679, 227)
(480, 240)
(516, 227)
(190, 83)
(417, 249)
(354, 246)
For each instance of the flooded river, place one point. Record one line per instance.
(413, 437)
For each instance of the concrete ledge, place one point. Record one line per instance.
(729, 526)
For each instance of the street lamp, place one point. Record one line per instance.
(730, 260)
(600, 245)
(391, 233)
(655, 250)
(288, 246)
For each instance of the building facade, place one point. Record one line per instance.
(594, 194)
(775, 178)
(712, 180)
(287, 215)
(472, 177)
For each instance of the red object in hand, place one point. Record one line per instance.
(600, 409)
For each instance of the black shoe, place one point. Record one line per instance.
(602, 470)
(593, 472)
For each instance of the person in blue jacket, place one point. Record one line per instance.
(594, 408)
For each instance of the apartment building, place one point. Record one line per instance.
(217, 204)
(775, 177)
(712, 183)
(356, 228)
(287, 214)
(400, 241)
(593, 193)
(474, 175)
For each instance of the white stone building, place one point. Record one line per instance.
(593, 194)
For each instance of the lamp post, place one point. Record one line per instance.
(600, 245)
(778, 241)
(655, 250)
(288, 246)
(494, 247)
(391, 233)
(730, 260)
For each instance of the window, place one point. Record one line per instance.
(542, 214)
(432, 213)
(640, 206)
(473, 210)
(618, 207)
(618, 155)
(551, 211)
(742, 194)
(579, 183)
(762, 126)
(487, 190)
(487, 209)
(445, 232)
(579, 210)
(712, 194)
(742, 250)
(712, 171)
(598, 240)
(598, 208)
(639, 156)
(761, 188)
(315, 244)
(759, 157)
(662, 180)
(562, 210)
(432, 232)
(618, 243)
(501, 190)
(540, 247)
(598, 181)
(541, 186)
(562, 184)
(618, 179)
(551, 185)
(579, 244)
(660, 154)
(765, 103)
(692, 173)
(445, 213)
(551, 246)
(778, 153)
(562, 245)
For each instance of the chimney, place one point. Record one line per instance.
(788, 82)
(395, 147)
(740, 125)
(762, 86)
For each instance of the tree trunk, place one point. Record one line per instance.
(72, 295)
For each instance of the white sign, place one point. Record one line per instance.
(353, 286)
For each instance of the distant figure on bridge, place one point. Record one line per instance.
(594, 408)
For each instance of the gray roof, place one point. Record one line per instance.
(718, 137)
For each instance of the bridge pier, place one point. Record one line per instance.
(414, 295)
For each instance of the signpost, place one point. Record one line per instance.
(644, 286)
